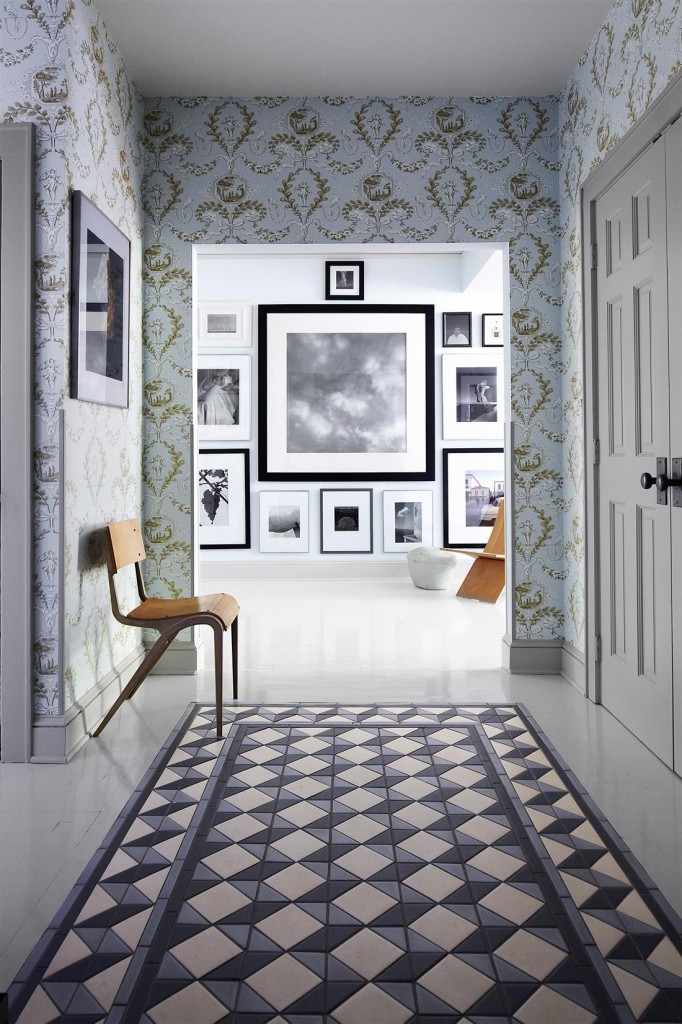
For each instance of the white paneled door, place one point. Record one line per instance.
(639, 395)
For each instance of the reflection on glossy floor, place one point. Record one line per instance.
(348, 641)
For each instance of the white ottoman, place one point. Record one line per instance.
(431, 568)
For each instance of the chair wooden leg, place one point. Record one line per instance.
(235, 657)
(218, 652)
(143, 671)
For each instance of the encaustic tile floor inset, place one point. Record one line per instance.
(358, 865)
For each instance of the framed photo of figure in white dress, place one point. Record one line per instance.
(223, 397)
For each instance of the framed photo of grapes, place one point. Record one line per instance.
(223, 510)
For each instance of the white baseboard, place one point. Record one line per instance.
(56, 738)
(181, 658)
(315, 569)
(532, 657)
(573, 667)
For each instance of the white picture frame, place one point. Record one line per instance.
(473, 394)
(346, 521)
(284, 521)
(221, 325)
(408, 520)
(216, 402)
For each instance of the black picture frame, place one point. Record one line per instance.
(397, 341)
(453, 321)
(458, 531)
(360, 514)
(492, 330)
(344, 280)
(241, 524)
(100, 306)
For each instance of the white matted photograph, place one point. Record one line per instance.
(344, 280)
(473, 487)
(223, 498)
(223, 325)
(223, 397)
(284, 521)
(345, 521)
(408, 519)
(473, 395)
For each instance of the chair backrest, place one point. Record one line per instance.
(125, 544)
(495, 545)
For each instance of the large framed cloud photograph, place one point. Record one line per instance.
(346, 393)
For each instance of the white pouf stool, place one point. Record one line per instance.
(431, 568)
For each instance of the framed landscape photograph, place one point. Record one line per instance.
(473, 485)
(284, 521)
(345, 521)
(345, 393)
(223, 498)
(222, 397)
(473, 395)
(456, 330)
(344, 280)
(223, 324)
(408, 519)
(493, 330)
(100, 306)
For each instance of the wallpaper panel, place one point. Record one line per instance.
(637, 51)
(342, 170)
(59, 69)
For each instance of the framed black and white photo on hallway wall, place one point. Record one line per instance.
(100, 306)
(284, 517)
(345, 393)
(493, 330)
(473, 486)
(221, 325)
(473, 395)
(346, 521)
(223, 498)
(456, 330)
(223, 397)
(408, 519)
(344, 280)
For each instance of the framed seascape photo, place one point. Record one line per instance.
(223, 324)
(473, 485)
(100, 306)
(223, 498)
(345, 521)
(493, 330)
(284, 521)
(408, 519)
(456, 330)
(344, 280)
(345, 393)
(222, 397)
(473, 399)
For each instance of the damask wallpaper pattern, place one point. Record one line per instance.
(60, 70)
(637, 51)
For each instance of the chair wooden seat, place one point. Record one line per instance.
(485, 579)
(166, 615)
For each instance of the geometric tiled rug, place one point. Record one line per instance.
(358, 865)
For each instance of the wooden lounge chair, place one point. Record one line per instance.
(166, 615)
(485, 579)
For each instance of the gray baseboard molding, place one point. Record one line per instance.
(315, 569)
(57, 738)
(181, 658)
(573, 667)
(532, 657)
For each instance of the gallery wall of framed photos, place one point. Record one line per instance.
(328, 382)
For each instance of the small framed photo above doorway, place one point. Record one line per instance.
(100, 306)
(223, 324)
(223, 508)
(456, 330)
(473, 486)
(493, 330)
(284, 521)
(223, 397)
(346, 521)
(473, 395)
(344, 280)
(408, 519)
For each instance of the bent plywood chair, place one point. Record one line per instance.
(485, 579)
(166, 615)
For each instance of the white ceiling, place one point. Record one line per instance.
(352, 47)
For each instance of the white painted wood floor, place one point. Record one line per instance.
(336, 640)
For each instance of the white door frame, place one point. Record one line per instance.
(17, 212)
(647, 129)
